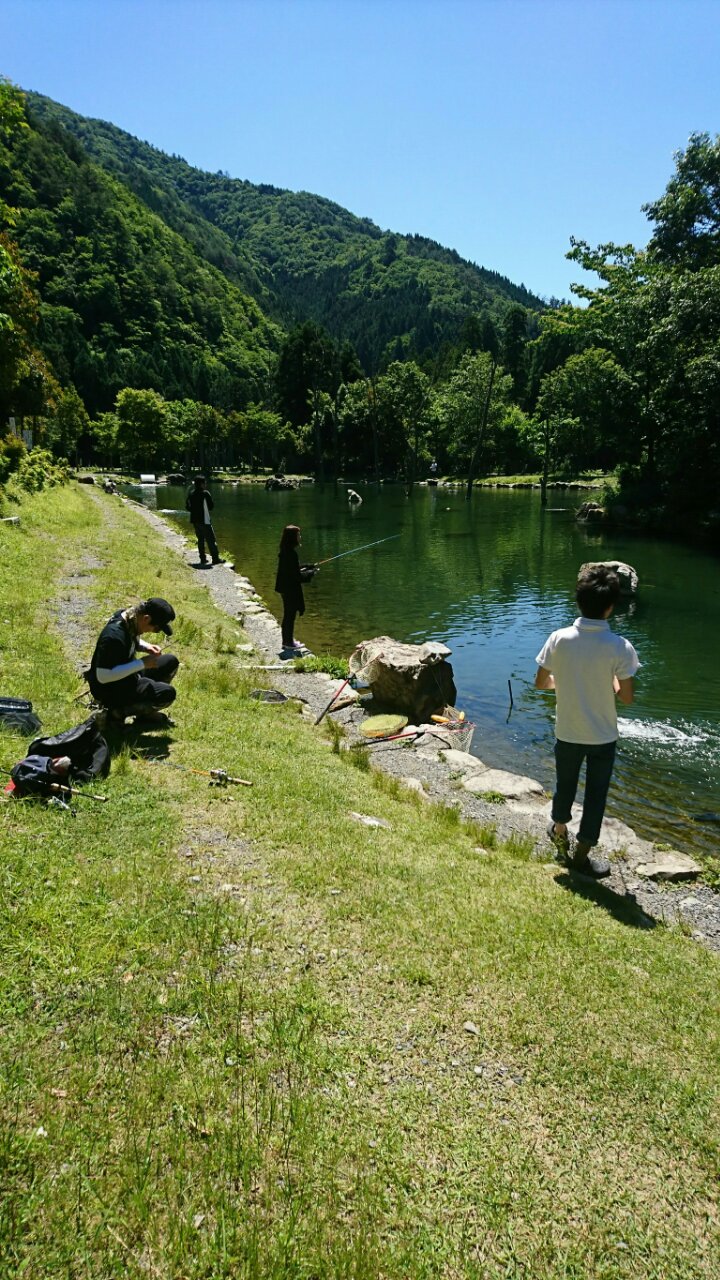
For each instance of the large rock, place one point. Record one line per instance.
(625, 572)
(415, 679)
(591, 513)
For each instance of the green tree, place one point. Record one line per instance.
(472, 405)
(264, 437)
(594, 393)
(405, 391)
(514, 343)
(141, 422)
(69, 422)
(687, 215)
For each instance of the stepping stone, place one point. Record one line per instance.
(513, 786)
(669, 866)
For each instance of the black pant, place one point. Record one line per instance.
(290, 610)
(569, 757)
(139, 691)
(205, 532)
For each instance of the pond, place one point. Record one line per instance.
(491, 579)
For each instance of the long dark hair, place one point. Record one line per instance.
(290, 537)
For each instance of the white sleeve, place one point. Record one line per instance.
(627, 661)
(106, 675)
(544, 658)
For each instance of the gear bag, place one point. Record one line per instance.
(32, 777)
(86, 747)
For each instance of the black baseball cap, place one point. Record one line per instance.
(161, 614)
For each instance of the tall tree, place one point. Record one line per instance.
(687, 215)
(141, 421)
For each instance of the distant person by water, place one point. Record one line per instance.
(588, 666)
(199, 503)
(289, 583)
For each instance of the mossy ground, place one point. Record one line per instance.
(232, 1022)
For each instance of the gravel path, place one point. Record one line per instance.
(438, 774)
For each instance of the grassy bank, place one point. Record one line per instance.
(233, 1023)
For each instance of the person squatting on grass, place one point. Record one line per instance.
(115, 677)
(288, 583)
(587, 665)
(199, 503)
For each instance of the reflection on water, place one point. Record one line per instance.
(491, 579)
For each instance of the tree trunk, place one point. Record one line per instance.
(481, 434)
(319, 470)
(373, 427)
(546, 466)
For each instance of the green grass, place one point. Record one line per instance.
(232, 1021)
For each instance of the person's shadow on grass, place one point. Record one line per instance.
(625, 909)
(139, 742)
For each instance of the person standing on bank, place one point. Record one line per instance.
(199, 503)
(588, 666)
(289, 583)
(117, 676)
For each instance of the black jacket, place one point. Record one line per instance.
(195, 503)
(290, 577)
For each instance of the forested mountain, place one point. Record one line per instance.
(302, 256)
(124, 300)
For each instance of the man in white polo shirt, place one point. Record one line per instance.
(588, 666)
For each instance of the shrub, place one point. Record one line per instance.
(36, 470)
(12, 451)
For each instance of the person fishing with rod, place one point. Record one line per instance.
(291, 576)
(289, 584)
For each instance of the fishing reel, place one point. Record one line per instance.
(219, 778)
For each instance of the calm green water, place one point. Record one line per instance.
(491, 579)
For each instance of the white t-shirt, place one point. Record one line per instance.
(583, 659)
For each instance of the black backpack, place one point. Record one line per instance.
(86, 747)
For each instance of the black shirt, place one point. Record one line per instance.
(116, 644)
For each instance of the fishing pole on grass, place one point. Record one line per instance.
(218, 777)
(353, 550)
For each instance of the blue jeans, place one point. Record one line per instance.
(569, 758)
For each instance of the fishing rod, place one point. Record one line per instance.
(390, 737)
(354, 550)
(59, 787)
(218, 777)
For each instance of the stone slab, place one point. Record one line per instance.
(669, 866)
(513, 786)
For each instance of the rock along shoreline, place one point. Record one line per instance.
(514, 805)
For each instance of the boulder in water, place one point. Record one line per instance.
(591, 513)
(628, 576)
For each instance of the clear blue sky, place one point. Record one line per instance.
(498, 127)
